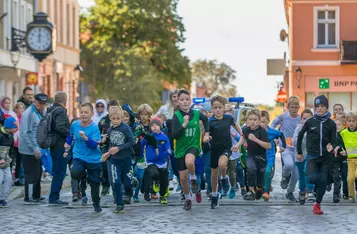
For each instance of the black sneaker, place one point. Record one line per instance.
(59, 203)
(302, 197)
(31, 202)
(285, 182)
(291, 198)
(97, 208)
(243, 191)
(214, 201)
(225, 185)
(119, 209)
(105, 191)
(127, 200)
(187, 205)
(336, 198)
(3, 203)
(39, 199)
(328, 187)
(194, 186)
(147, 197)
(250, 196)
(258, 194)
(84, 201)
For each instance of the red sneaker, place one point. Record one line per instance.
(198, 197)
(317, 209)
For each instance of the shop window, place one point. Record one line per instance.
(354, 102)
(340, 98)
(310, 98)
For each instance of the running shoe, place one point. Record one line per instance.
(167, 194)
(147, 197)
(163, 200)
(225, 185)
(194, 186)
(336, 198)
(75, 197)
(119, 209)
(156, 186)
(266, 196)
(310, 197)
(127, 199)
(171, 185)
(215, 201)
(3, 203)
(105, 191)
(199, 197)
(97, 208)
(258, 194)
(317, 209)
(328, 187)
(285, 182)
(250, 196)
(136, 199)
(84, 201)
(187, 205)
(291, 197)
(232, 193)
(243, 191)
(154, 196)
(302, 197)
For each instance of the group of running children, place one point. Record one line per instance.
(137, 149)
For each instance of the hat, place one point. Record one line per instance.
(321, 100)
(41, 97)
(157, 121)
(10, 122)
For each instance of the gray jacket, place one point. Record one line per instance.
(28, 129)
(295, 137)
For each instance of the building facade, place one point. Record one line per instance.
(58, 71)
(14, 65)
(322, 40)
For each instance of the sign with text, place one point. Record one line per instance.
(331, 84)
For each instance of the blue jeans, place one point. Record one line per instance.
(207, 157)
(303, 183)
(120, 175)
(240, 174)
(139, 174)
(58, 172)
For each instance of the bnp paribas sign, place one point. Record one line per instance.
(341, 84)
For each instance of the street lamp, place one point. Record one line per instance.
(298, 76)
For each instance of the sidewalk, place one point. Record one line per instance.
(19, 191)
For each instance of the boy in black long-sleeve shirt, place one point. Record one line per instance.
(320, 142)
(121, 142)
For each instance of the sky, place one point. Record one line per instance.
(240, 33)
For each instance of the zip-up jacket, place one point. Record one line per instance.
(320, 133)
(163, 145)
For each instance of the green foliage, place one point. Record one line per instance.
(216, 77)
(130, 46)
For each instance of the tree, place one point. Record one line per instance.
(133, 44)
(216, 77)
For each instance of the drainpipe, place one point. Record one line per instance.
(35, 6)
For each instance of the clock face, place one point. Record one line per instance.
(39, 39)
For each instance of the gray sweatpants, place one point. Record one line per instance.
(5, 182)
(290, 169)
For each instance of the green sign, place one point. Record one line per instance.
(324, 83)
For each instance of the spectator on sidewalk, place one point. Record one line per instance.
(6, 108)
(6, 147)
(60, 126)
(27, 97)
(30, 150)
(17, 160)
(100, 110)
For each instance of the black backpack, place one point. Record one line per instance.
(45, 137)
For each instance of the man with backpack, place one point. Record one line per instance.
(30, 149)
(59, 129)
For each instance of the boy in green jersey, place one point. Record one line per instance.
(187, 142)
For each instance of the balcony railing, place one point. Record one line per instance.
(349, 52)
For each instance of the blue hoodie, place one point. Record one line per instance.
(163, 144)
(274, 134)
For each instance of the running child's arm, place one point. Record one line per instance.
(282, 138)
(205, 123)
(264, 142)
(239, 144)
(301, 136)
(167, 151)
(295, 136)
(276, 122)
(177, 128)
(236, 127)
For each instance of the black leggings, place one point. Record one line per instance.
(317, 170)
(153, 173)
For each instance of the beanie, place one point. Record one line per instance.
(10, 122)
(321, 100)
(157, 121)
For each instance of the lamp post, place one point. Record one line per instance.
(298, 76)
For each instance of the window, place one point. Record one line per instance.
(29, 14)
(23, 17)
(15, 11)
(327, 27)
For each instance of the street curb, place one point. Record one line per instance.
(19, 192)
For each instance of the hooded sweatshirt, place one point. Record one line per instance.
(98, 116)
